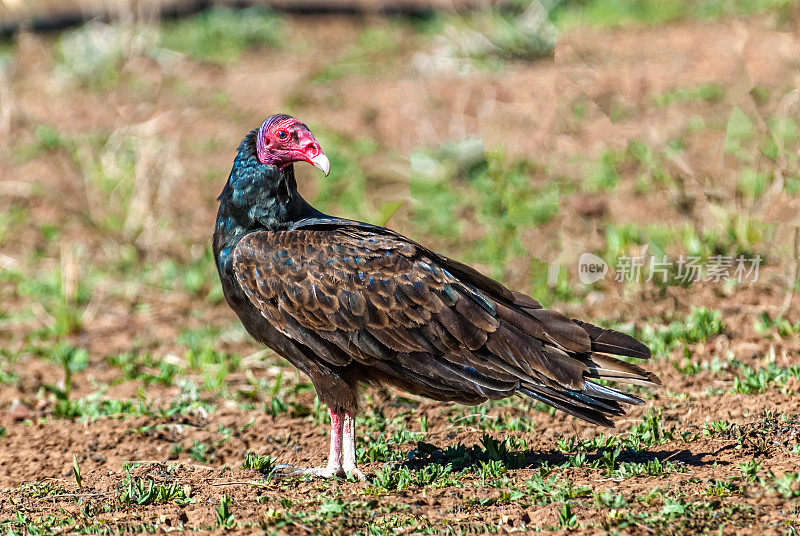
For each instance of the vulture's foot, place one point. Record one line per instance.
(319, 472)
(342, 459)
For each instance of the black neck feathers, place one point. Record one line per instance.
(256, 197)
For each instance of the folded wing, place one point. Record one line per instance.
(359, 294)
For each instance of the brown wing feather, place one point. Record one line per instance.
(427, 323)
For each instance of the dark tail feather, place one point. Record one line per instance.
(568, 402)
(614, 342)
(605, 367)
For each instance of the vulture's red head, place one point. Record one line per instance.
(282, 139)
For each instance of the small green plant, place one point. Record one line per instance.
(144, 491)
(225, 518)
(716, 427)
(786, 485)
(613, 13)
(766, 325)
(722, 488)
(605, 174)
(263, 464)
(76, 471)
(402, 477)
(567, 519)
(489, 470)
(199, 452)
(71, 360)
(750, 469)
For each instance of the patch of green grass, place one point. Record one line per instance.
(722, 488)
(401, 478)
(750, 469)
(488, 37)
(681, 256)
(63, 293)
(93, 54)
(145, 491)
(94, 406)
(787, 485)
(638, 159)
(687, 367)
(203, 355)
(461, 182)
(752, 183)
(700, 325)
(262, 464)
(487, 458)
(604, 175)
(324, 515)
(620, 455)
(200, 452)
(371, 56)
(198, 276)
(758, 380)
(567, 519)
(279, 395)
(8, 377)
(144, 368)
(41, 489)
(738, 132)
(11, 219)
(510, 207)
(221, 34)
(681, 516)
(763, 436)
(768, 326)
(706, 93)
(762, 155)
(543, 490)
(383, 447)
(573, 13)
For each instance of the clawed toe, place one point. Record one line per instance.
(285, 470)
(355, 472)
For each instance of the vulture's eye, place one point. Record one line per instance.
(282, 135)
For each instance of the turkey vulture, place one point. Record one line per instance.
(349, 303)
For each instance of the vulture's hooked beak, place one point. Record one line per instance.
(321, 162)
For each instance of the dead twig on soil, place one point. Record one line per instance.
(240, 483)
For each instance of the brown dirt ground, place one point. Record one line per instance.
(526, 108)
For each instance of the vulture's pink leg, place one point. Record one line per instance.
(349, 454)
(342, 458)
(335, 457)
